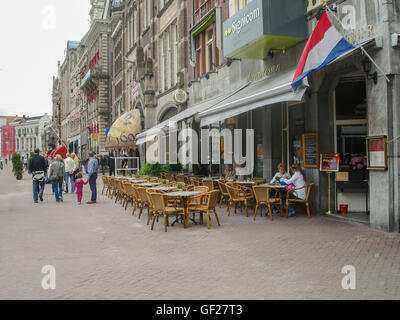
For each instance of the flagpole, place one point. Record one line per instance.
(359, 46)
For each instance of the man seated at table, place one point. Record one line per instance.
(281, 174)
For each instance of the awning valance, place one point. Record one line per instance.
(122, 134)
(274, 89)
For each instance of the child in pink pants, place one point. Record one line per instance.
(79, 186)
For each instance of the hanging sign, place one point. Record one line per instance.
(180, 96)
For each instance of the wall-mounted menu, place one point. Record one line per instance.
(310, 150)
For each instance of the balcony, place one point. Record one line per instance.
(205, 8)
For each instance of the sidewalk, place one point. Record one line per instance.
(102, 252)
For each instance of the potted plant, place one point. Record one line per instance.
(164, 182)
(180, 187)
(17, 165)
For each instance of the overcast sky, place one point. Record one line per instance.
(33, 37)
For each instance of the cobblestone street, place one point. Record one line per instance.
(102, 252)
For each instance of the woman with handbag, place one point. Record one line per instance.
(57, 175)
(298, 180)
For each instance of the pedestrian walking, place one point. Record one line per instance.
(25, 161)
(57, 174)
(1, 164)
(111, 164)
(79, 182)
(37, 167)
(92, 168)
(103, 164)
(77, 164)
(69, 173)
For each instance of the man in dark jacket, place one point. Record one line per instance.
(37, 167)
(111, 164)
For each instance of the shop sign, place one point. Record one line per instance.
(310, 150)
(329, 163)
(358, 18)
(95, 137)
(260, 75)
(376, 153)
(180, 96)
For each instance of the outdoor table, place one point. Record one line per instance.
(165, 189)
(138, 181)
(248, 183)
(150, 184)
(276, 186)
(184, 195)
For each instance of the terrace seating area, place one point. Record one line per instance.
(188, 198)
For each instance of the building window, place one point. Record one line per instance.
(175, 54)
(236, 5)
(209, 49)
(168, 44)
(206, 52)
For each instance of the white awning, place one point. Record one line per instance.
(274, 89)
(150, 134)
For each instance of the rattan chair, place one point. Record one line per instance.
(237, 196)
(224, 192)
(263, 198)
(306, 202)
(144, 200)
(180, 178)
(160, 207)
(210, 205)
(209, 183)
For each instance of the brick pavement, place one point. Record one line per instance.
(102, 252)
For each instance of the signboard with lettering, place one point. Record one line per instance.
(310, 150)
(376, 153)
(329, 163)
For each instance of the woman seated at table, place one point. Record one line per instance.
(229, 173)
(298, 179)
(281, 174)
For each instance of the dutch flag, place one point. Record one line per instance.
(325, 45)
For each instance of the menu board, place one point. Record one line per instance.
(329, 163)
(376, 153)
(310, 150)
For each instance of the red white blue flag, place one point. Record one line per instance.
(325, 45)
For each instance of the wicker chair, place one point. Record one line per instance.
(105, 184)
(306, 202)
(210, 205)
(263, 198)
(259, 180)
(237, 196)
(160, 207)
(209, 183)
(180, 178)
(128, 197)
(144, 200)
(224, 192)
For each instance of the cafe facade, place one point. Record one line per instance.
(345, 112)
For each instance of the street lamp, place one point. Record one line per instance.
(367, 64)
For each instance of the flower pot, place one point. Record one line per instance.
(19, 177)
